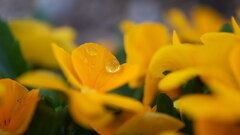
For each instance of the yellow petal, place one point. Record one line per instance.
(125, 103)
(170, 133)
(84, 109)
(30, 106)
(17, 106)
(98, 69)
(218, 79)
(22, 27)
(43, 79)
(214, 127)
(111, 128)
(220, 38)
(174, 80)
(172, 58)
(150, 123)
(234, 62)
(36, 38)
(209, 107)
(126, 25)
(235, 26)
(206, 19)
(37, 50)
(141, 43)
(66, 33)
(180, 23)
(65, 62)
(150, 89)
(176, 40)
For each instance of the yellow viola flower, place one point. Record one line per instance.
(16, 107)
(141, 42)
(186, 61)
(93, 71)
(217, 64)
(219, 111)
(203, 19)
(36, 37)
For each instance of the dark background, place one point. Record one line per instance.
(97, 20)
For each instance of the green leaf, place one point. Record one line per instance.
(51, 114)
(227, 28)
(194, 86)
(188, 128)
(125, 90)
(46, 121)
(12, 63)
(165, 105)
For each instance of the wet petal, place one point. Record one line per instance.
(99, 69)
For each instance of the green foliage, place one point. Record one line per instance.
(227, 28)
(12, 63)
(51, 114)
(188, 128)
(194, 86)
(52, 117)
(125, 90)
(165, 105)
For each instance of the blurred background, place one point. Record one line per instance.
(98, 20)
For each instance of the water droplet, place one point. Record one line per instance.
(92, 51)
(113, 66)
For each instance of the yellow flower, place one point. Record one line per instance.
(36, 37)
(186, 61)
(214, 114)
(141, 42)
(16, 107)
(217, 64)
(203, 19)
(93, 71)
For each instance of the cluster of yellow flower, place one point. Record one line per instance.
(153, 59)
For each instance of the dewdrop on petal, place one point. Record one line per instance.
(113, 66)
